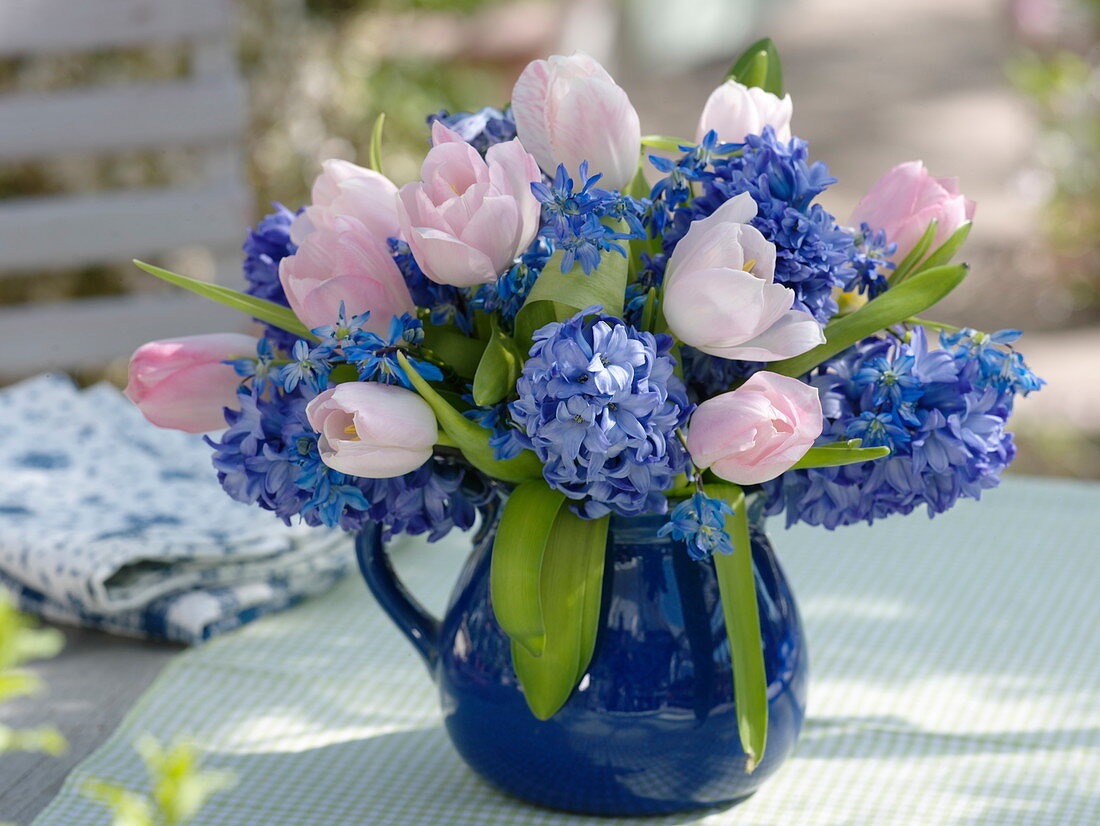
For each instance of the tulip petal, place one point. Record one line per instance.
(795, 333)
(446, 260)
(530, 104)
(711, 242)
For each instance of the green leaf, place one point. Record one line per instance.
(451, 347)
(525, 525)
(840, 453)
(947, 250)
(919, 249)
(759, 65)
(128, 808)
(472, 439)
(666, 142)
(375, 156)
(275, 314)
(499, 368)
(737, 586)
(639, 187)
(914, 295)
(571, 586)
(557, 295)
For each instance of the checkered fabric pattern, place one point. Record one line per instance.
(956, 680)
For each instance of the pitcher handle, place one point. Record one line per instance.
(411, 618)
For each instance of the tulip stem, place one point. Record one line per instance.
(443, 440)
(935, 325)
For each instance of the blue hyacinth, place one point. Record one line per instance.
(870, 261)
(942, 412)
(599, 405)
(482, 128)
(268, 456)
(700, 523)
(506, 295)
(266, 245)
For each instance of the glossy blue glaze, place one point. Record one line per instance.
(652, 727)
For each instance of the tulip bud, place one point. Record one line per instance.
(346, 190)
(182, 383)
(344, 264)
(906, 199)
(372, 430)
(756, 432)
(720, 294)
(734, 110)
(469, 217)
(568, 110)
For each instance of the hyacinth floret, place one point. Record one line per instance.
(700, 523)
(574, 220)
(266, 245)
(599, 404)
(870, 261)
(446, 304)
(941, 411)
(482, 128)
(507, 294)
(506, 441)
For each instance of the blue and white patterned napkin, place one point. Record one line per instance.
(110, 522)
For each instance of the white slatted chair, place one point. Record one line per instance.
(204, 111)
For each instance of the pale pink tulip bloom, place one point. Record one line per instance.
(344, 263)
(734, 110)
(906, 199)
(756, 432)
(344, 189)
(468, 217)
(569, 110)
(372, 430)
(182, 384)
(720, 294)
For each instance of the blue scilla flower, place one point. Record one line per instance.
(599, 404)
(308, 365)
(260, 369)
(375, 357)
(507, 294)
(651, 276)
(573, 219)
(941, 411)
(268, 456)
(267, 244)
(506, 441)
(700, 523)
(482, 128)
(674, 189)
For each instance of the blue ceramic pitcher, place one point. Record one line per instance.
(652, 726)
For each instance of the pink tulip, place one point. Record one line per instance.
(906, 199)
(344, 189)
(469, 217)
(756, 432)
(182, 384)
(734, 111)
(568, 110)
(344, 263)
(372, 430)
(720, 294)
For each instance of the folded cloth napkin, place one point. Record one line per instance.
(109, 522)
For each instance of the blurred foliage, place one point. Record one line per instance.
(1059, 72)
(334, 8)
(20, 642)
(180, 787)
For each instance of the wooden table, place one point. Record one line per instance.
(89, 687)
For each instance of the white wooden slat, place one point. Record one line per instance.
(115, 119)
(30, 27)
(92, 332)
(119, 225)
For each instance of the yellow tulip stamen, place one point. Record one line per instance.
(351, 431)
(749, 265)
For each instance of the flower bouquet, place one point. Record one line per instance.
(622, 379)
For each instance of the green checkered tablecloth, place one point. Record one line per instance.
(956, 680)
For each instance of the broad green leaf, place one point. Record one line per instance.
(525, 526)
(459, 352)
(499, 368)
(557, 295)
(912, 296)
(639, 187)
(919, 249)
(472, 439)
(275, 314)
(837, 455)
(737, 586)
(759, 65)
(666, 142)
(947, 250)
(571, 585)
(375, 156)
